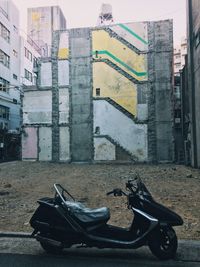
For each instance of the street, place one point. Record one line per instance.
(85, 260)
(26, 252)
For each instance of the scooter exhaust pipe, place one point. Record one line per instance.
(48, 241)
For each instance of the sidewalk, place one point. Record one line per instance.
(21, 243)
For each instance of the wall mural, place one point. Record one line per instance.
(119, 65)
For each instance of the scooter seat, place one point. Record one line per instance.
(87, 215)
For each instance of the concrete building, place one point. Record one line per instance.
(42, 21)
(179, 62)
(30, 53)
(191, 85)
(179, 56)
(10, 103)
(105, 94)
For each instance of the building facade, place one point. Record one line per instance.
(179, 56)
(191, 85)
(42, 21)
(30, 53)
(10, 102)
(105, 94)
(17, 59)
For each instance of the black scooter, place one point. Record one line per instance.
(61, 222)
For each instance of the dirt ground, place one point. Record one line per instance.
(22, 183)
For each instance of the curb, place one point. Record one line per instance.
(188, 250)
(16, 234)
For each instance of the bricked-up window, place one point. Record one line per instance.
(4, 59)
(28, 54)
(98, 92)
(4, 85)
(4, 112)
(4, 33)
(28, 75)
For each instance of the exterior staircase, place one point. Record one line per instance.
(120, 70)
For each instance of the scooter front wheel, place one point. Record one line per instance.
(163, 243)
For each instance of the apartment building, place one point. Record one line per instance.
(18, 57)
(179, 56)
(9, 66)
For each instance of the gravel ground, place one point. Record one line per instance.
(22, 183)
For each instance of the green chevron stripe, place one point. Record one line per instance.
(105, 52)
(132, 33)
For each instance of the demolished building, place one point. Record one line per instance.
(104, 94)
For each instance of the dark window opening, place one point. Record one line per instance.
(97, 130)
(97, 91)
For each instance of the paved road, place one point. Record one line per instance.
(70, 260)
(22, 252)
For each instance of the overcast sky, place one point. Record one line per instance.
(84, 13)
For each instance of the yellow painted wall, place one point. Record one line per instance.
(114, 85)
(103, 41)
(63, 53)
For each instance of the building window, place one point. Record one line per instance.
(97, 91)
(35, 62)
(4, 85)
(15, 53)
(28, 75)
(4, 59)
(14, 76)
(97, 130)
(28, 54)
(197, 39)
(4, 33)
(15, 29)
(4, 112)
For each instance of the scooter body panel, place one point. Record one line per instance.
(158, 211)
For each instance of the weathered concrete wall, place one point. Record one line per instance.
(81, 95)
(160, 136)
(114, 85)
(196, 23)
(131, 136)
(104, 149)
(37, 107)
(134, 33)
(64, 144)
(111, 95)
(46, 76)
(63, 52)
(55, 97)
(64, 105)
(115, 51)
(63, 73)
(193, 32)
(163, 89)
(45, 143)
(29, 144)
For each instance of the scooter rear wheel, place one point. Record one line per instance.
(163, 243)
